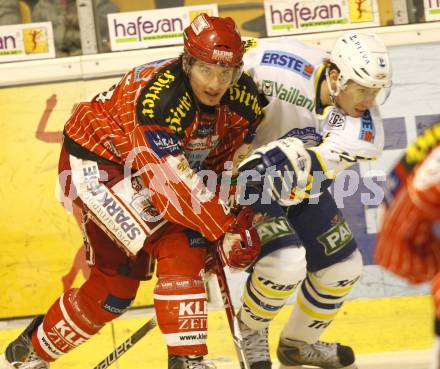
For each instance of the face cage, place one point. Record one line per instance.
(189, 60)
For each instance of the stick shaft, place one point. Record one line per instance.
(230, 313)
(127, 344)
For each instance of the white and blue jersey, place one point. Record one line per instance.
(289, 74)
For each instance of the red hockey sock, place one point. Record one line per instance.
(181, 310)
(79, 314)
(63, 329)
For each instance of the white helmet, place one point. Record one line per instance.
(362, 58)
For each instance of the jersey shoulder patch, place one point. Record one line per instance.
(422, 146)
(166, 100)
(357, 138)
(146, 71)
(244, 99)
(336, 120)
(249, 44)
(362, 129)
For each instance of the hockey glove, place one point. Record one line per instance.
(241, 244)
(284, 166)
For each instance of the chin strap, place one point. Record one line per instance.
(332, 93)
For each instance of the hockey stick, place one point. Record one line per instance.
(127, 344)
(230, 312)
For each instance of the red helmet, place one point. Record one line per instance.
(214, 40)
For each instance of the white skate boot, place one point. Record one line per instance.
(20, 354)
(256, 346)
(189, 362)
(294, 354)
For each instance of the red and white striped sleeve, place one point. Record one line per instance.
(176, 190)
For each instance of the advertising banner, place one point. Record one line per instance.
(432, 10)
(288, 17)
(26, 41)
(142, 29)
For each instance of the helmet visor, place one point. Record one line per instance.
(360, 92)
(222, 74)
(383, 94)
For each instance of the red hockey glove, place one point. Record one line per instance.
(241, 244)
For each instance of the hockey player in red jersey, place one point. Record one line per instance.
(409, 241)
(129, 159)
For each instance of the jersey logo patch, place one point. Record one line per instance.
(367, 132)
(247, 98)
(152, 94)
(116, 305)
(272, 228)
(288, 94)
(336, 120)
(267, 87)
(291, 62)
(146, 71)
(178, 112)
(162, 143)
(195, 239)
(337, 237)
(205, 130)
(307, 135)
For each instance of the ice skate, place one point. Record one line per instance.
(255, 346)
(294, 354)
(20, 354)
(189, 362)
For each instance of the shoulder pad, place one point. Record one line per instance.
(147, 71)
(364, 127)
(166, 100)
(249, 44)
(244, 99)
(422, 146)
(353, 138)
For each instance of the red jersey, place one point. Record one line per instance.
(409, 241)
(151, 122)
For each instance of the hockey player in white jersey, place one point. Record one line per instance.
(321, 118)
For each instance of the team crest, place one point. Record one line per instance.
(336, 120)
(267, 87)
